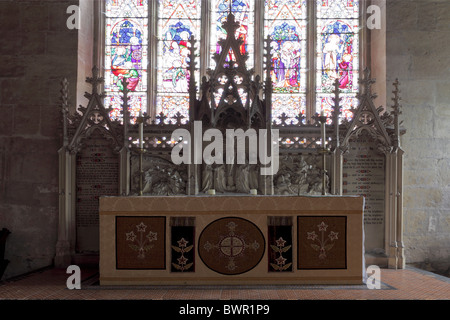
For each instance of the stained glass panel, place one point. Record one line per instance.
(285, 23)
(170, 105)
(325, 102)
(126, 8)
(288, 49)
(126, 55)
(136, 102)
(338, 55)
(179, 9)
(337, 52)
(243, 10)
(332, 9)
(178, 21)
(285, 9)
(292, 105)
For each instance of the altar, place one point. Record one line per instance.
(231, 240)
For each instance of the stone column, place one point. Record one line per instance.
(64, 247)
(391, 209)
(125, 165)
(401, 262)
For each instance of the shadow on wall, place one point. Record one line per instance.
(439, 267)
(3, 262)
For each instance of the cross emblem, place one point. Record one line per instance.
(283, 117)
(161, 117)
(96, 118)
(178, 117)
(365, 118)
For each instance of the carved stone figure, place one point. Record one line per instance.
(163, 181)
(220, 182)
(160, 178)
(242, 178)
(253, 180)
(231, 185)
(207, 178)
(283, 184)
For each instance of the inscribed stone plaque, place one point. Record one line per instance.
(322, 242)
(364, 174)
(97, 174)
(140, 242)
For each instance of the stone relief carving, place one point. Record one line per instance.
(160, 177)
(237, 178)
(299, 175)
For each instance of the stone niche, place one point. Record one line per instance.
(97, 174)
(364, 173)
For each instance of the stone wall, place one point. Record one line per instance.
(418, 53)
(37, 51)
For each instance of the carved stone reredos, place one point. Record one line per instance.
(231, 94)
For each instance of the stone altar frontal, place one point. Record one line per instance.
(231, 240)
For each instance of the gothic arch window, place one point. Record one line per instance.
(126, 54)
(312, 43)
(178, 21)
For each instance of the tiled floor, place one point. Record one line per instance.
(50, 284)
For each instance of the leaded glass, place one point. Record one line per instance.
(126, 55)
(337, 53)
(337, 56)
(136, 102)
(178, 22)
(243, 10)
(292, 105)
(325, 102)
(285, 23)
(332, 9)
(170, 105)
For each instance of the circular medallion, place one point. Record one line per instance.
(231, 245)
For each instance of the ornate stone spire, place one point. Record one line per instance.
(396, 111)
(95, 80)
(65, 109)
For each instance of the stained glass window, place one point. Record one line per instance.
(337, 53)
(285, 24)
(244, 12)
(178, 21)
(303, 76)
(126, 54)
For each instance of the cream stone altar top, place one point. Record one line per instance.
(226, 239)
